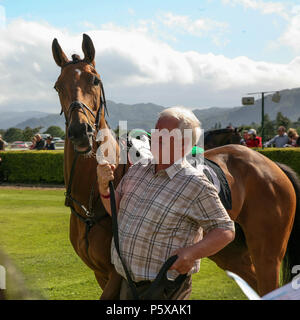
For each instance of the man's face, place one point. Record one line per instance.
(280, 131)
(169, 140)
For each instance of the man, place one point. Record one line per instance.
(49, 144)
(164, 206)
(2, 144)
(245, 138)
(280, 140)
(253, 141)
(40, 143)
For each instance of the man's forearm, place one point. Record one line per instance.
(105, 198)
(214, 241)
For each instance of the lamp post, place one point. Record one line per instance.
(248, 101)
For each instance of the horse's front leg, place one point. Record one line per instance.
(111, 290)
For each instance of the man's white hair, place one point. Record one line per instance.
(187, 120)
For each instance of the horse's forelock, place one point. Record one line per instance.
(75, 57)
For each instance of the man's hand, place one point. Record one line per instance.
(185, 260)
(213, 241)
(105, 173)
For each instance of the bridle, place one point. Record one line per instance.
(89, 219)
(84, 108)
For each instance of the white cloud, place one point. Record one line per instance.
(290, 37)
(269, 7)
(135, 67)
(200, 27)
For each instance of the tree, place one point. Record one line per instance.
(55, 131)
(269, 128)
(13, 134)
(281, 120)
(29, 133)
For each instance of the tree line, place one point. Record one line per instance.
(270, 126)
(16, 134)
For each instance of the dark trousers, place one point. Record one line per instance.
(183, 293)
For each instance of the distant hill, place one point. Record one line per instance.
(289, 106)
(144, 115)
(11, 119)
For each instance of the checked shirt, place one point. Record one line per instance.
(161, 212)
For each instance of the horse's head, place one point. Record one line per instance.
(79, 88)
(221, 137)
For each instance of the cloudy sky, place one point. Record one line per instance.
(193, 53)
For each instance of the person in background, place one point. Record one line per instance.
(40, 143)
(253, 141)
(2, 144)
(33, 140)
(294, 138)
(49, 144)
(280, 140)
(245, 138)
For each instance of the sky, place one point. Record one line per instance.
(196, 54)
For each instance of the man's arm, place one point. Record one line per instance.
(268, 143)
(214, 241)
(105, 173)
(209, 213)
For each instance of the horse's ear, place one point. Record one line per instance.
(88, 49)
(58, 55)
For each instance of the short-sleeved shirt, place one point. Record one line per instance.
(161, 212)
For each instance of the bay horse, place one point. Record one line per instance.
(82, 99)
(221, 137)
(265, 195)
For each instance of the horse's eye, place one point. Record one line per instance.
(96, 81)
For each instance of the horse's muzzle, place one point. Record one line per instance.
(81, 135)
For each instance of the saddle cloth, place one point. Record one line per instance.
(217, 177)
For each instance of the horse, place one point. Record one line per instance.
(221, 137)
(82, 100)
(265, 195)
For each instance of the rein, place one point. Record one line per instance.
(89, 219)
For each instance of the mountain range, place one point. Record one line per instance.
(144, 115)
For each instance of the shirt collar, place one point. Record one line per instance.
(173, 169)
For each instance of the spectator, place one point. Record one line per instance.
(245, 138)
(2, 144)
(253, 141)
(280, 140)
(294, 137)
(40, 143)
(49, 144)
(33, 140)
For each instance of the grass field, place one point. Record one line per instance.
(34, 226)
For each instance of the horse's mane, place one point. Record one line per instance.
(218, 131)
(224, 130)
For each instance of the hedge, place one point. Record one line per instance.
(32, 166)
(47, 166)
(288, 156)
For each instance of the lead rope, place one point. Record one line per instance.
(89, 221)
(116, 239)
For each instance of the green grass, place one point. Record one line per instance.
(34, 233)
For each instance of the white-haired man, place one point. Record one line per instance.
(163, 208)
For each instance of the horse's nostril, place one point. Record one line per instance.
(89, 128)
